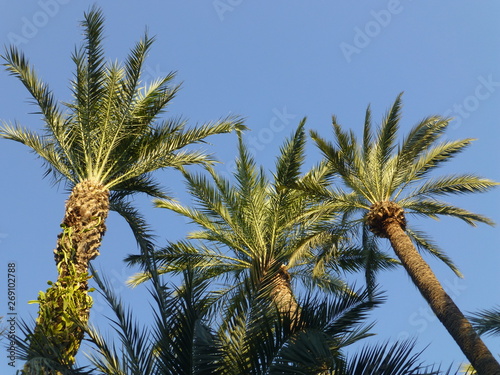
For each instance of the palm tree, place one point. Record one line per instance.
(186, 338)
(384, 182)
(104, 145)
(259, 232)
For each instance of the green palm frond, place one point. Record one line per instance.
(453, 184)
(18, 66)
(56, 165)
(429, 159)
(373, 259)
(386, 359)
(185, 344)
(487, 321)
(434, 209)
(387, 134)
(424, 242)
(420, 137)
(291, 158)
(137, 223)
(135, 340)
(178, 257)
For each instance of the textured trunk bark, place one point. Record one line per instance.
(66, 304)
(283, 294)
(440, 302)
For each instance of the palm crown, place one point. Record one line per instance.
(379, 170)
(260, 231)
(109, 133)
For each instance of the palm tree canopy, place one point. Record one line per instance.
(110, 132)
(379, 169)
(255, 224)
(184, 338)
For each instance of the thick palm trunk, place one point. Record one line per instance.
(66, 304)
(391, 225)
(282, 293)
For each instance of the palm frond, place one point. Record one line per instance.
(429, 159)
(135, 340)
(433, 209)
(18, 66)
(137, 223)
(487, 321)
(44, 148)
(419, 139)
(455, 184)
(291, 158)
(425, 243)
(385, 359)
(386, 136)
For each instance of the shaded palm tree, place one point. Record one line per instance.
(187, 339)
(104, 145)
(384, 182)
(259, 232)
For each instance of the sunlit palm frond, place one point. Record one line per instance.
(17, 65)
(291, 158)
(387, 134)
(429, 159)
(434, 209)
(44, 148)
(453, 184)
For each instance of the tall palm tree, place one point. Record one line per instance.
(104, 145)
(259, 231)
(383, 182)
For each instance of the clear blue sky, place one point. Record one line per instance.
(273, 63)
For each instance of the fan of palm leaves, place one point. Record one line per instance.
(250, 226)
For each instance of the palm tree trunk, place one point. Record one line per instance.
(282, 293)
(66, 304)
(441, 303)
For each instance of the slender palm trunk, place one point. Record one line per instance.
(65, 306)
(441, 303)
